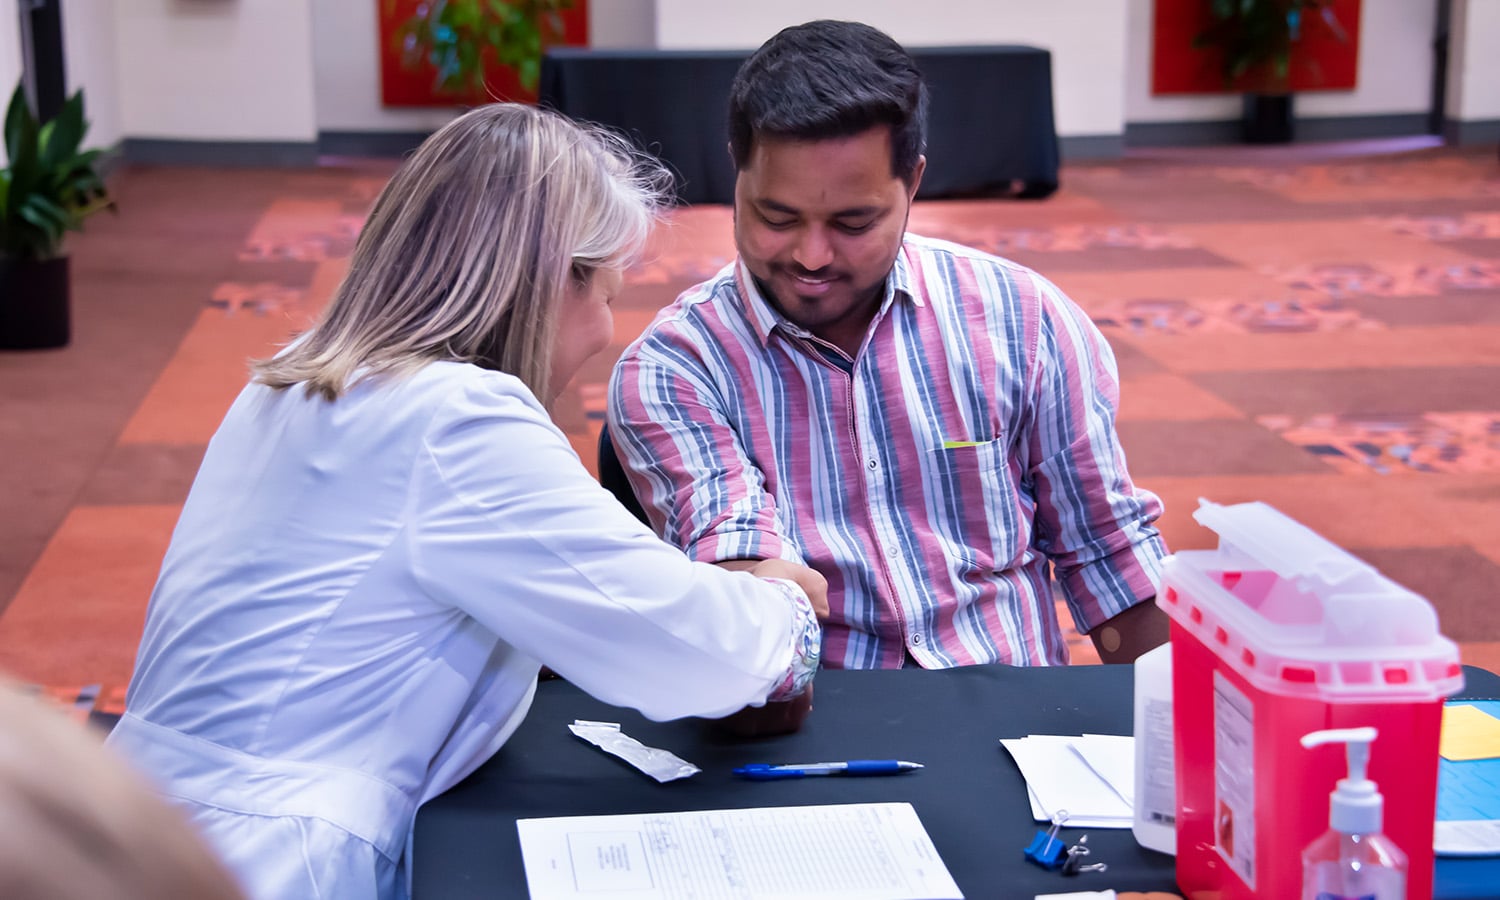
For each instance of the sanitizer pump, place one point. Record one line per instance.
(1353, 860)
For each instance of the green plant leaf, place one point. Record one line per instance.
(20, 137)
(18, 123)
(465, 14)
(50, 187)
(61, 136)
(457, 37)
(45, 221)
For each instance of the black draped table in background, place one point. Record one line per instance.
(971, 798)
(990, 125)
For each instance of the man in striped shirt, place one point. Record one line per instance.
(930, 427)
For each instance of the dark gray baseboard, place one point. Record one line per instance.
(172, 152)
(1315, 128)
(1354, 128)
(1472, 131)
(1182, 134)
(1091, 146)
(394, 144)
(110, 161)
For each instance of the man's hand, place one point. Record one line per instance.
(814, 585)
(784, 717)
(1126, 636)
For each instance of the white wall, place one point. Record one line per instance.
(624, 24)
(1473, 64)
(1394, 76)
(346, 73)
(10, 47)
(1086, 37)
(1395, 63)
(92, 64)
(217, 71)
(10, 57)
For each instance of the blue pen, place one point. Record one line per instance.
(765, 772)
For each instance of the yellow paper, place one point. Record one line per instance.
(1469, 733)
(954, 445)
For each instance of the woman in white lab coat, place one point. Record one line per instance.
(388, 535)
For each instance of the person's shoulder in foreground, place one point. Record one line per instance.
(78, 824)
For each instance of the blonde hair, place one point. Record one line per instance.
(471, 247)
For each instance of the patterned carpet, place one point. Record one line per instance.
(1319, 329)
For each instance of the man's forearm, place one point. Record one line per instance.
(1131, 633)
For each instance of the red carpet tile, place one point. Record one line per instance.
(1314, 326)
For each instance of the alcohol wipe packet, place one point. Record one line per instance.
(659, 764)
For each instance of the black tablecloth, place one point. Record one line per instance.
(990, 126)
(971, 797)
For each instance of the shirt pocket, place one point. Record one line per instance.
(972, 468)
(978, 505)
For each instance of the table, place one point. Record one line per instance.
(971, 797)
(990, 124)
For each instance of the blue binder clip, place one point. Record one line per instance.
(1046, 850)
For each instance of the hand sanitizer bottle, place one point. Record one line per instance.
(1352, 860)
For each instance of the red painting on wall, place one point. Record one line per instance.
(1325, 56)
(404, 85)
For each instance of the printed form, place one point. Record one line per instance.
(858, 851)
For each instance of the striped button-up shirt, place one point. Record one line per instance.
(939, 480)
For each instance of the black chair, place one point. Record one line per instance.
(612, 476)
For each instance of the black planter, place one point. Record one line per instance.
(1267, 119)
(33, 303)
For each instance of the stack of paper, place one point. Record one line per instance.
(1091, 777)
(858, 851)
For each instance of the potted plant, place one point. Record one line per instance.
(1257, 42)
(458, 38)
(47, 188)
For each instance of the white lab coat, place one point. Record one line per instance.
(355, 603)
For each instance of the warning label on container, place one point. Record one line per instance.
(1234, 778)
(1159, 793)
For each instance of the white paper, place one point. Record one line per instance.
(1473, 838)
(858, 851)
(1112, 757)
(1042, 814)
(1059, 779)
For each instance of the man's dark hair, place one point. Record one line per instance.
(829, 79)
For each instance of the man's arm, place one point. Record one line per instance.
(785, 716)
(1131, 633)
(691, 469)
(1093, 523)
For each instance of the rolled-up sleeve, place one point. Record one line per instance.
(670, 422)
(1091, 520)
